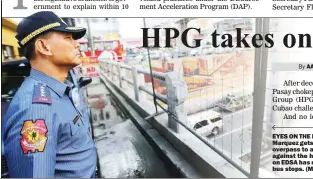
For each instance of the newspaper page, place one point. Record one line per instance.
(157, 88)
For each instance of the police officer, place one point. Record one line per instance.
(46, 136)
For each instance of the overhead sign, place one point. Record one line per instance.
(111, 36)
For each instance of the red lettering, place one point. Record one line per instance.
(91, 69)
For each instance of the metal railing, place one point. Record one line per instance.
(243, 135)
(117, 70)
(173, 99)
(173, 87)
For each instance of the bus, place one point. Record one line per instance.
(114, 46)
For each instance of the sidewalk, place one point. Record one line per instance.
(122, 151)
(103, 112)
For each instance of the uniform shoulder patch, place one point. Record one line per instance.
(41, 94)
(34, 136)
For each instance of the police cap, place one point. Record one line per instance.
(34, 25)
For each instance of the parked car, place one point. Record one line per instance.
(133, 58)
(166, 55)
(207, 50)
(194, 52)
(13, 74)
(154, 55)
(181, 54)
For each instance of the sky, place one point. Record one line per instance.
(129, 28)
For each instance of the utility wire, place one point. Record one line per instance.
(152, 78)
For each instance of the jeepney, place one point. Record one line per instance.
(233, 102)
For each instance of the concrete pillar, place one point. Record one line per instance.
(258, 104)
(112, 71)
(135, 83)
(123, 74)
(109, 69)
(183, 26)
(106, 67)
(119, 75)
(116, 76)
(177, 92)
(141, 82)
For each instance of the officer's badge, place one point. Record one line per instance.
(41, 94)
(33, 136)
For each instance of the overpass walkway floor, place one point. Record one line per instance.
(122, 150)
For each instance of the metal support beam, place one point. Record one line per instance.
(260, 67)
(90, 38)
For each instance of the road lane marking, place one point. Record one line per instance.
(239, 129)
(239, 111)
(220, 90)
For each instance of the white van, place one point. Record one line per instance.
(210, 122)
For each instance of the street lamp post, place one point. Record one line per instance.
(152, 79)
(90, 39)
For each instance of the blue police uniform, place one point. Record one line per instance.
(46, 135)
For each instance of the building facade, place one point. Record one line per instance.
(10, 48)
(101, 28)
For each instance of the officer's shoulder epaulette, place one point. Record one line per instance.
(41, 94)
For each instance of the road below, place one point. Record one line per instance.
(234, 138)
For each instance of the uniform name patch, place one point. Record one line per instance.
(41, 94)
(75, 119)
(33, 136)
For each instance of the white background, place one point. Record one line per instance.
(262, 8)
